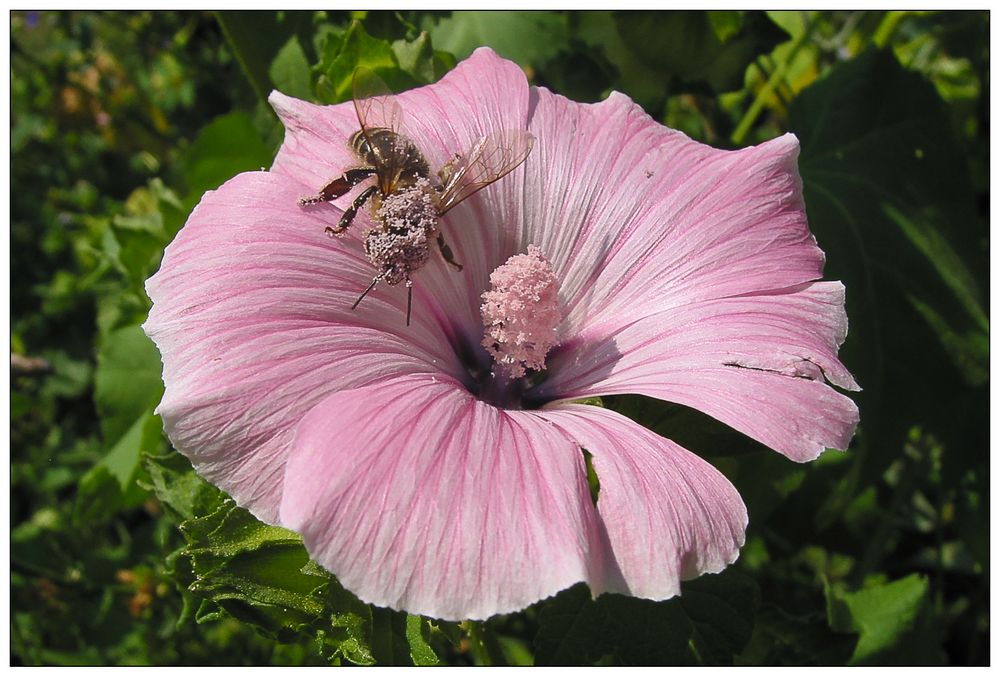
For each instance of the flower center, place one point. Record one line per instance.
(399, 243)
(521, 314)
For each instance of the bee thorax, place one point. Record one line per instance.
(406, 222)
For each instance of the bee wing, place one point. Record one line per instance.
(490, 159)
(377, 108)
(375, 103)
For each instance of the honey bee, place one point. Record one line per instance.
(406, 200)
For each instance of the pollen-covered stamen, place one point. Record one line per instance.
(406, 222)
(521, 313)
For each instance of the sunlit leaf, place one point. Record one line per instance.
(127, 381)
(290, 70)
(225, 147)
(522, 36)
(891, 620)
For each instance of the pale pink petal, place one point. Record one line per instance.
(252, 316)
(637, 218)
(757, 363)
(668, 514)
(419, 497)
(482, 95)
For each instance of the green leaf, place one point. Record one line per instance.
(225, 147)
(418, 636)
(726, 24)
(127, 381)
(526, 37)
(688, 427)
(253, 571)
(780, 638)
(389, 639)
(969, 351)
(122, 461)
(342, 55)
(891, 620)
(597, 30)
(421, 61)
(258, 38)
(290, 71)
(890, 202)
(179, 488)
(690, 48)
(257, 573)
(350, 631)
(708, 624)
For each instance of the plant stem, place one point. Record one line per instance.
(484, 644)
(765, 93)
(887, 27)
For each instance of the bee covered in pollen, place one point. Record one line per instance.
(406, 201)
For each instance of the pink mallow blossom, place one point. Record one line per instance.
(438, 468)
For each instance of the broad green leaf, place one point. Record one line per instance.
(780, 638)
(259, 574)
(708, 624)
(137, 249)
(403, 64)
(969, 351)
(948, 264)
(889, 200)
(690, 48)
(350, 630)
(419, 58)
(253, 571)
(127, 381)
(290, 70)
(721, 609)
(342, 55)
(122, 460)
(389, 639)
(726, 24)
(526, 37)
(688, 427)
(225, 147)
(258, 37)
(891, 620)
(643, 83)
(179, 488)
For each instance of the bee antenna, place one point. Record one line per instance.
(370, 287)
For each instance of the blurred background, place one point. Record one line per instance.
(120, 121)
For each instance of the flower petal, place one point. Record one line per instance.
(637, 218)
(669, 515)
(419, 497)
(252, 316)
(757, 363)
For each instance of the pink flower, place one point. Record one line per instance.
(433, 477)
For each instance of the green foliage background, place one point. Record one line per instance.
(120, 554)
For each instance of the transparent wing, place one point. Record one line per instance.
(378, 110)
(375, 103)
(490, 159)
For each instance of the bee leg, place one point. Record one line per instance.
(449, 257)
(339, 186)
(352, 211)
(409, 299)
